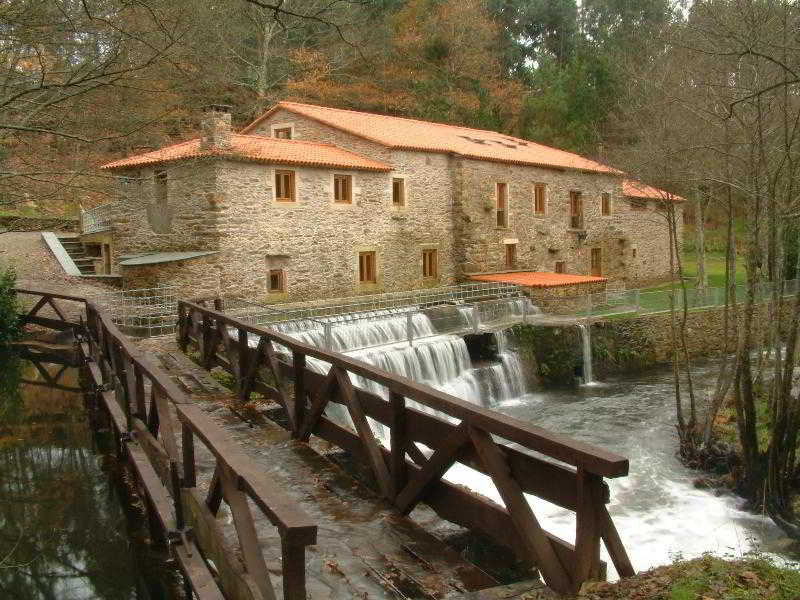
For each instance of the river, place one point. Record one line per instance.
(659, 513)
(65, 532)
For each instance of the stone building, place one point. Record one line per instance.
(313, 202)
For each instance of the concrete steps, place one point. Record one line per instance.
(75, 250)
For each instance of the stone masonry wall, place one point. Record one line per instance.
(186, 221)
(317, 241)
(544, 239)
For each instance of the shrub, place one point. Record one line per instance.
(9, 307)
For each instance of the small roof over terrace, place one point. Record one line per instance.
(539, 279)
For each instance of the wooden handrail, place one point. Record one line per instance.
(146, 437)
(405, 476)
(592, 458)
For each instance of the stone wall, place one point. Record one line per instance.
(194, 278)
(627, 344)
(542, 240)
(317, 241)
(188, 220)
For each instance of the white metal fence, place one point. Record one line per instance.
(645, 302)
(98, 218)
(144, 312)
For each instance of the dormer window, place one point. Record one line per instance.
(282, 133)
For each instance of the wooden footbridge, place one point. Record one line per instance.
(294, 526)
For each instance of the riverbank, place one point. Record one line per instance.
(752, 578)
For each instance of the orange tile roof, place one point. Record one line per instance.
(637, 189)
(259, 149)
(539, 279)
(411, 134)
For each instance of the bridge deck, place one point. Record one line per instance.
(364, 549)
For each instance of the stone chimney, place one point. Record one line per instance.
(216, 127)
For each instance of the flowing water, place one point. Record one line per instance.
(63, 531)
(656, 508)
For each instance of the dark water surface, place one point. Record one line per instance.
(65, 534)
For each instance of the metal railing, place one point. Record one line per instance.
(609, 303)
(143, 312)
(406, 317)
(98, 218)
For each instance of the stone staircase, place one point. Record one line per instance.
(76, 252)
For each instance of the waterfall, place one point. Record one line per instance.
(434, 357)
(586, 344)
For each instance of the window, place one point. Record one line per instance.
(366, 267)
(277, 281)
(560, 267)
(430, 263)
(575, 210)
(161, 185)
(502, 205)
(283, 133)
(398, 191)
(638, 204)
(538, 198)
(605, 204)
(596, 267)
(511, 255)
(343, 189)
(633, 252)
(284, 186)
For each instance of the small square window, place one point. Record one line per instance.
(343, 189)
(277, 281)
(430, 263)
(284, 186)
(367, 272)
(605, 204)
(538, 199)
(398, 191)
(283, 133)
(560, 267)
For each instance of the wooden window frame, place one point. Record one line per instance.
(576, 216)
(342, 187)
(605, 204)
(368, 267)
(281, 274)
(560, 267)
(539, 199)
(401, 181)
(292, 185)
(430, 263)
(501, 205)
(511, 255)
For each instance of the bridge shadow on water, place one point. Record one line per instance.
(67, 530)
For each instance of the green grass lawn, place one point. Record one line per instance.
(715, 268)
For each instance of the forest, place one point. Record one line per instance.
(698, 98)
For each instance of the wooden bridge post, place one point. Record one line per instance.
(398, 441)
(299, 363)
(587, 527)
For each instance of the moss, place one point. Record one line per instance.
(751, 578)
(621, 347)
(556, 352)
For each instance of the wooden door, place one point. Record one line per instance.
(597, 262)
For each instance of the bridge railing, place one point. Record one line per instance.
(157, 431)
(560, 470)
